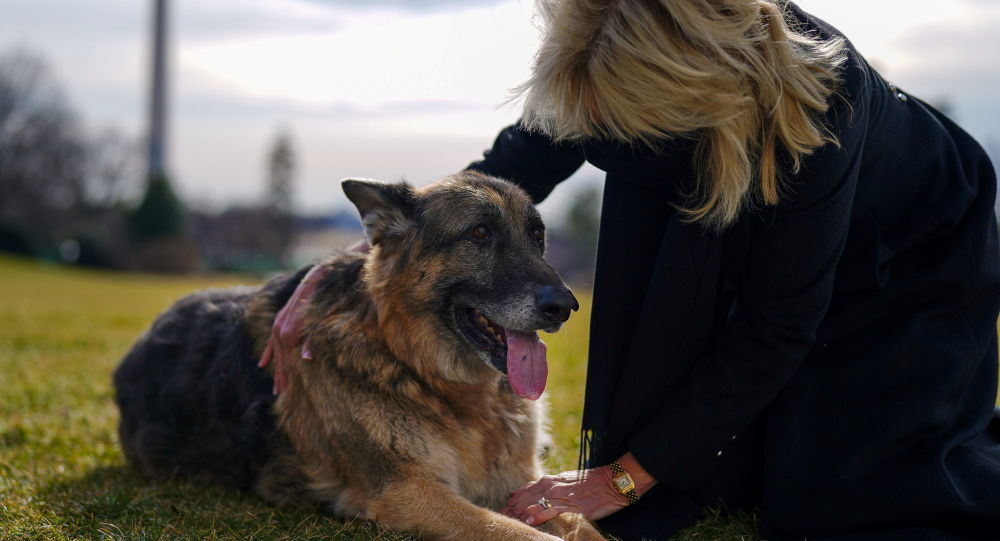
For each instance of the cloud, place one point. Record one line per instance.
(224, 19)
(91, 22)
(971, 45)
(67, 20)
(424, 6)
(474, 55)
(206, 105)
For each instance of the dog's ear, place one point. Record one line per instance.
(387, 210)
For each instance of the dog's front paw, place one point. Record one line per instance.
(584, 532)
(572, 527)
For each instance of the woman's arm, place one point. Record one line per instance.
(531, 160)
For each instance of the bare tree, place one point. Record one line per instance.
(281, 173)
(59, 187)
(42, 151)
(114, 169)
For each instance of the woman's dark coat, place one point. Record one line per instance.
(832, 360)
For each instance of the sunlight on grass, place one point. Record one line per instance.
(62, 474)
(567, 355)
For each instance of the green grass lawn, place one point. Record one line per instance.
(62, 474)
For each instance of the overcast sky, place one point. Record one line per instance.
(395, 88)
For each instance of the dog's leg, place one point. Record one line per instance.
(434, 511)
(571, 527)
(281, 480)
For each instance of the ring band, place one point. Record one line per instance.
(544, 502)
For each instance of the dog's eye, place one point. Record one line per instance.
(480, 232)
(539, 234)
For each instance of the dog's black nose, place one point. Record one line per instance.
(555, 303)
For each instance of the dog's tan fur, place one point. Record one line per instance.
(392, 422)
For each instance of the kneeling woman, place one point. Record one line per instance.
(797, 279)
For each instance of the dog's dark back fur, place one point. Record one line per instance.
(192, 399)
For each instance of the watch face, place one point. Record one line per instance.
(623, 482)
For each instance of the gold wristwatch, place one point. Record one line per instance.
(623, 482)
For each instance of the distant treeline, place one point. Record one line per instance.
(85, 198)
(77, 197)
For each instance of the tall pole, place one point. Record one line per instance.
(158, 99)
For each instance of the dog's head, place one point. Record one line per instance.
(459, 264)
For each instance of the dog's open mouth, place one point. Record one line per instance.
(520, 355)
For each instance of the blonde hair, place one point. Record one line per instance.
(732, 73)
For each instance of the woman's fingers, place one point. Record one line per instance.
(554, 497)
(515, 506)
(536, 514)
(520, 500)
(527, 512)
(265, 357)
(527, 489)
(524, 496)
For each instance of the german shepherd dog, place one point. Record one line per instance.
(417, 410)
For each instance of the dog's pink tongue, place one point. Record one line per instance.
(527, 368)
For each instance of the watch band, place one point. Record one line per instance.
(623, 482)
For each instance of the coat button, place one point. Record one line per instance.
(901, 97)
(719, 453)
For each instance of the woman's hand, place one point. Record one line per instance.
(286, 333)
(588, 492)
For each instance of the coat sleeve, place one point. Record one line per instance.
(785, 290)
(531, 160)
